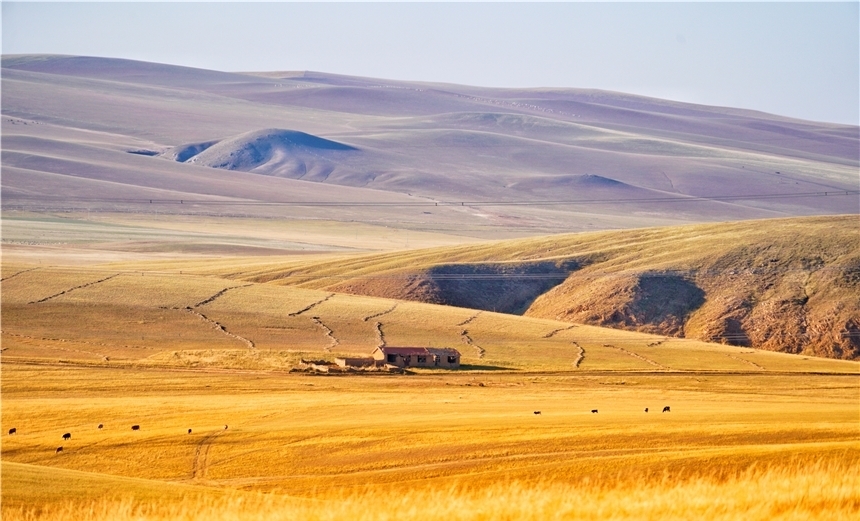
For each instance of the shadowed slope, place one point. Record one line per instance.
(787, 285)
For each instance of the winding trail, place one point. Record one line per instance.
(16, 274)
(638, 356)
(377, 315)
(333, 341)
(579, 357)
(557, 331)
(469, 320)
(310, 307)
(88, 284)
(220, 327)
(220, 293)
(200, 464)
(747, 361)
(464, 336)
(380, 335)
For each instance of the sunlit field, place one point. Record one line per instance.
(545, 419)
(467, 446)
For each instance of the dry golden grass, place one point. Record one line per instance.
(755, 494)
(432, 446)
(205, 321)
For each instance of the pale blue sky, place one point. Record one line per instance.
(794, 59)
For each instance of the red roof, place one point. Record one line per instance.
(405, 351)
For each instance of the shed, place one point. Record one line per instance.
(418, 356)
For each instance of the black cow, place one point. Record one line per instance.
(59, 449)
(537, 412)
(593, 411)
(135, 427)
(189, 431)
(646, 409)
(101, 426)
(667, 409)
(67, 436)
(13, 430)
(225, 427)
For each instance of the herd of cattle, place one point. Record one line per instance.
(67, 436)
(594, 411)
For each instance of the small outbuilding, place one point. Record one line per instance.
(444, 357)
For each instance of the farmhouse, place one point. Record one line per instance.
(418, 357)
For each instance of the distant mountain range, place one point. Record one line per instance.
(118, 135)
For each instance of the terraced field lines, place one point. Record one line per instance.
(380, 335)
(16, 274)
(333, 341)
(310, 307)
(464, 336)
(66, 291)
(469, 320)
(377, 315)
(747, 361)
(216, 295)
(557, 331)
(220, 327)
(579, 357)
(638, 356)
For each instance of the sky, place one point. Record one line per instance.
(793, 59)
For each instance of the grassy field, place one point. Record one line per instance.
(194, 344)
(467, 446)
(119, 317)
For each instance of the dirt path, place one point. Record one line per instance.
(377, 315)
(220, 327)
(579, 357)
(217, 295)
(557, 331)
(464, 336)
(380, 335)
(74, 288)
(310, 307)
(333, 341)
(200, 464)
(469, 320)
(638, 356)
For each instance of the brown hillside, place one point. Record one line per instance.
(502, 287)
(786, 286)
(790, 285)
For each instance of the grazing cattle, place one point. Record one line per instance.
(537, 412)
(101, 426)
(593, 411)
(67, 436)
(189, 431)
(13, 430)
(59, 449)
(135, 427)
(646, 409)
(225, 427)
(666, 409)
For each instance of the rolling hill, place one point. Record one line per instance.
(787, 285)
(110, 135)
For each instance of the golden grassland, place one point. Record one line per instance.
(716, 246)
(114, 317)
(428, 446)
(176, 345)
